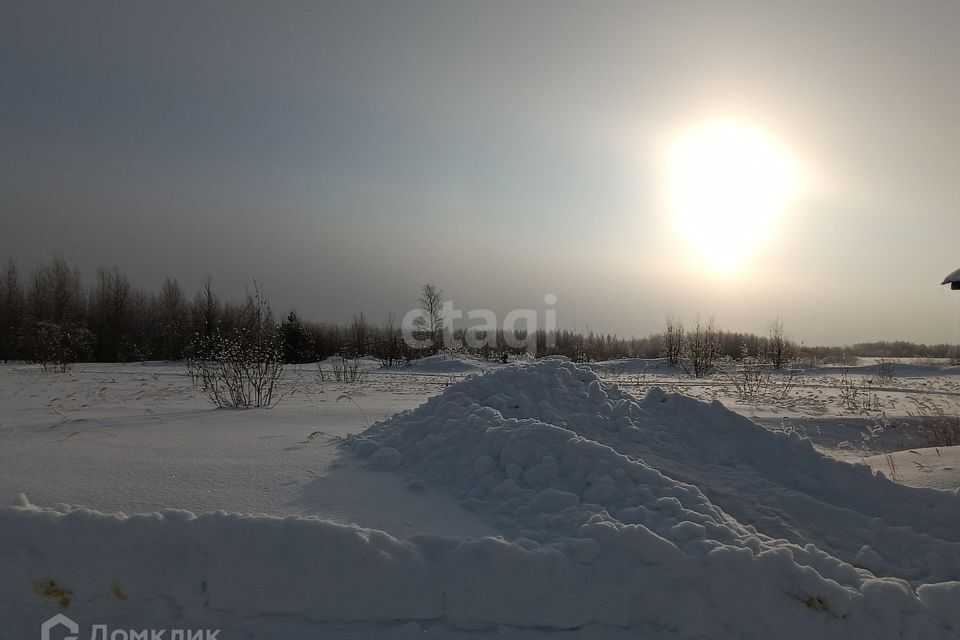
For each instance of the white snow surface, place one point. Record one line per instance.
(660, 518)
(921, 467)
(140, 439)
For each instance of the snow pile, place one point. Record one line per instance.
(632, 366)
(556, 458)
(665, 518)
(443, 363)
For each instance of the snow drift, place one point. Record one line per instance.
(664, 518)
(525, 442)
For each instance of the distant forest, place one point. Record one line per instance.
(51, 315)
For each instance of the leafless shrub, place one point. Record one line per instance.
(58, 346)
(754, 380)
(701, 349)
(779, 348)
(388, 346)
(243, 371)
(750, 378)
(348, 370)
(360, 336)
(857, 395)
(672, 346)
(886, 369)
(939, 428)
(429, 325)
(241, 367)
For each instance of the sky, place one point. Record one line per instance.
(345, 153)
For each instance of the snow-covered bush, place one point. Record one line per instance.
(700, 349)
(671, 347)
(241, 367)
(59, 345)
(779, 348)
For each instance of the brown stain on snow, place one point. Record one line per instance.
(53, 591)
(118, 592)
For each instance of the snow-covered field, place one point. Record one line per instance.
(615, 500)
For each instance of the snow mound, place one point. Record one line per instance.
(443, 363)
(631, 366)
(559, 460)
(499, 440)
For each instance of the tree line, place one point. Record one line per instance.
(52, 316)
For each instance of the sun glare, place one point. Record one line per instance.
(728, 184)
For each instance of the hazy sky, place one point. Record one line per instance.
(343, 153)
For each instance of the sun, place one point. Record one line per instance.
(728, 184)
